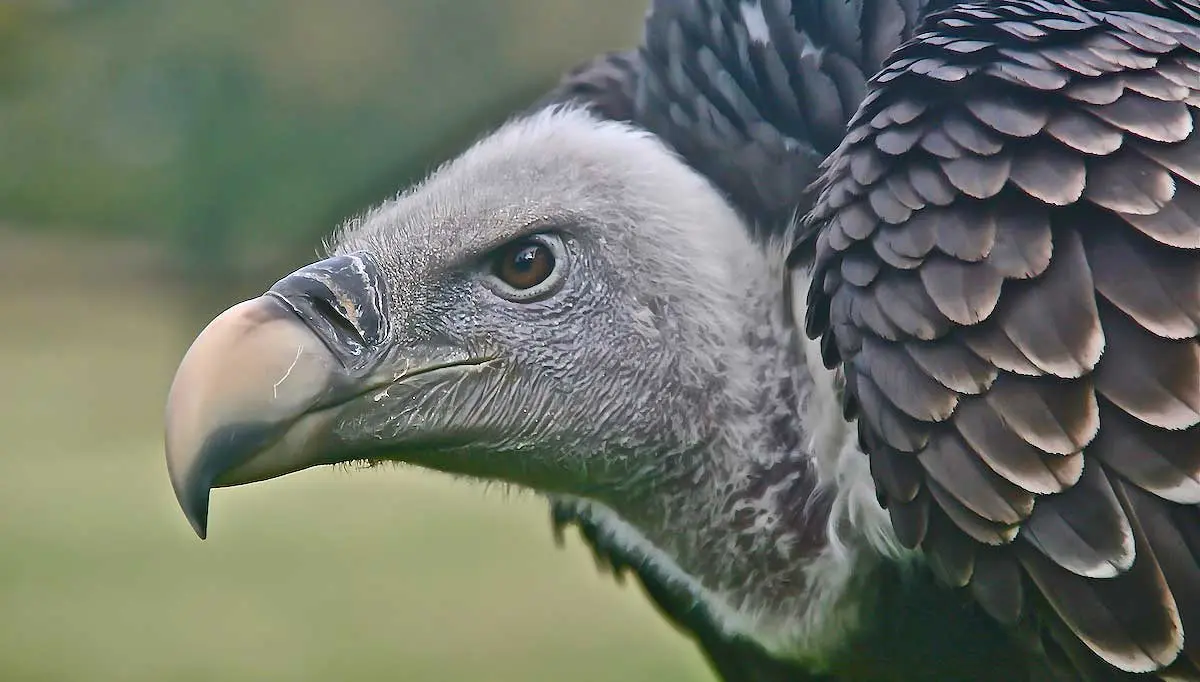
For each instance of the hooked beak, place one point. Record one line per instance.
(253, 397)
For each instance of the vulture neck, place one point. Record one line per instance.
(773, 521)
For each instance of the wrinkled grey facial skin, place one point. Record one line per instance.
(557, 378)
(609, 384)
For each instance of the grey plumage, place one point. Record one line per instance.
(985, 215)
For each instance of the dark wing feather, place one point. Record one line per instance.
(606, 83)
(1008, 272)
(738, 86)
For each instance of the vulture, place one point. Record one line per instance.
(864, 333)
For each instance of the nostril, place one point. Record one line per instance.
(342, 300)
(337, 319)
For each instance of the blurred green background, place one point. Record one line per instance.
(160, 160)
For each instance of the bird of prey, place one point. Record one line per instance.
(863, 332)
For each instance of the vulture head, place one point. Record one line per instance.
(865, 334)
(568, 307)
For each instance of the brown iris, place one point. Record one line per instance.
(524, 264)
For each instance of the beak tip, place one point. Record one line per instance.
(193, 500)
(197, 516)
(199, 522)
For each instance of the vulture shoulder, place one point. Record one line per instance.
(1007, 272)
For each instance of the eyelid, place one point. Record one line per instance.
(544, 289)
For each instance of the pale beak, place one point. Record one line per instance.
(252, 398)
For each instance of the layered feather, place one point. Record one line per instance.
(1008, 269)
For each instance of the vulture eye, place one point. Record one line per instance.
(525, 264)
(529, 268)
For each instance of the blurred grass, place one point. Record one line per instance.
(387, 574)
